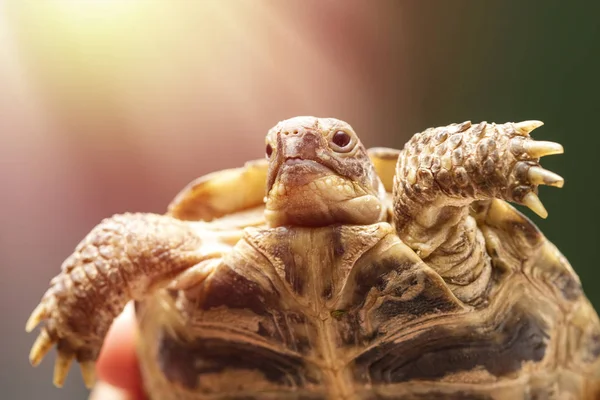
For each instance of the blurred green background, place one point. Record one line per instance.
(112, 106)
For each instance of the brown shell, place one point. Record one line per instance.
(353, 313)
(461, 299)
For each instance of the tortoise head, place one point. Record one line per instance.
(320, 174)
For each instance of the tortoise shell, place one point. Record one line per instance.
(329, 271)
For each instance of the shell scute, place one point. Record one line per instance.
(381, 273)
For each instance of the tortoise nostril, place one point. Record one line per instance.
(296, 132)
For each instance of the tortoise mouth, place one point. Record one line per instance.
(295, 172)
(308, 192)
(307, 183)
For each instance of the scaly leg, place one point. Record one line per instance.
(123, 258)
(443, 170)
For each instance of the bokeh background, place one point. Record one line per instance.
(109, 106)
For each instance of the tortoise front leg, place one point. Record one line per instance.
(443, 170)
(124, 258)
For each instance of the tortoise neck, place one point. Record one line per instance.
(449, 241)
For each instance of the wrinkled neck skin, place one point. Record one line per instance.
(312, 183)
(446, 174)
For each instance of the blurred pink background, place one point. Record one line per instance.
(109, 106)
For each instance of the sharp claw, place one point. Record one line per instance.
(534, 204)
(61, 368)
(525, 127)
(36, 317)
(541, 176)
(537, 149)
(88, 372)
(40, 348)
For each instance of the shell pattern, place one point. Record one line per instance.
(331, 271)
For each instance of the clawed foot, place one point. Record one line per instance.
(527, 172)
(67, 348)
(461, 163)
(123, 258)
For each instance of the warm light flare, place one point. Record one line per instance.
(134, 71)
(94, 12)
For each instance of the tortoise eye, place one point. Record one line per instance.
(269, 150)
(341, 139)
(342, 142)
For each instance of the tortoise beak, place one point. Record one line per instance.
(296, 154)
(295, 172)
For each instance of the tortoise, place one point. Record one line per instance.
(361, 274)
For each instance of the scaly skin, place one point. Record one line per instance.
(311, 182)
(443, 170)
(123, 258)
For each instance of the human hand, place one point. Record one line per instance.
(117, 368)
